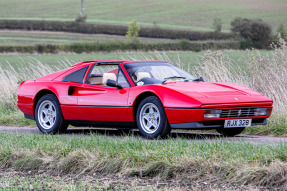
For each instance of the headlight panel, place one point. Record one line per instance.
(212, 113)
(262, 111)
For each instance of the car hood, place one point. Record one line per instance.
(217, 93)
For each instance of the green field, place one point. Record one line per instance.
(14, 38)
(188, 58)
(193, 14)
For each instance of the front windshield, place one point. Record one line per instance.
(155, 72)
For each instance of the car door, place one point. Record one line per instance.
(103, 103)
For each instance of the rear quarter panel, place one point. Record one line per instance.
(29, 90)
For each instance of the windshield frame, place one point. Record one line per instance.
(127, 67)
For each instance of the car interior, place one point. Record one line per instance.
(101, 79)
(101, 73)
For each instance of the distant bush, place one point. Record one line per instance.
(80, 19)
(133, 29)
(282, 30)
(217, 24)
(92, 28)
(256, 30)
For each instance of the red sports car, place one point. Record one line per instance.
(154, 96)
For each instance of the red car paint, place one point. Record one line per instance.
(183, 101)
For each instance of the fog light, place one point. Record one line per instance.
(212, 113)
(262, 111)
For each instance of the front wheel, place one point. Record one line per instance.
(48, 115)
(230, 132)
(151, 119)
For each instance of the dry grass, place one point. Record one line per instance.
(83, 162)
(11, 78)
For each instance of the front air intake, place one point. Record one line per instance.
(243, 112)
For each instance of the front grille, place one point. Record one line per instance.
(244, 112)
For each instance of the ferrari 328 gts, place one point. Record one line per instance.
(154, 96)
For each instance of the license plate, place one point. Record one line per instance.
(237, 123)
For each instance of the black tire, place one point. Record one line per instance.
(230, 132)
(58, 124)
(159, 118)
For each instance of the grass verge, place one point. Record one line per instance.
(172, 159)
(16, 119)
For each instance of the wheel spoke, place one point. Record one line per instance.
(51, 121)
(151, 110)
(45, 111)
(156, 115)
(154, 123)
(45, 120)
(50, 107)
(149, 124)
(146, 116)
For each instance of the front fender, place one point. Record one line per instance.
(170, 98)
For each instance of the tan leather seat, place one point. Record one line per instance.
(108, 76)
(95, 80)
(142, 75)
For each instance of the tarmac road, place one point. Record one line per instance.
(121, 133)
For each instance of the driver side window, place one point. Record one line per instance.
(99, 74)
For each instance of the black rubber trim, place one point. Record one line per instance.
(26, 103)
(85, 123)
(27, 116)
(211, 124)
(194, 125)
(258, 122)
(97, 106)
(124, 76)
(182, 108)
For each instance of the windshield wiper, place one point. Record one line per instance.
(171, 77)
(199, 79)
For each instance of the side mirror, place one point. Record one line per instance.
(113, 83)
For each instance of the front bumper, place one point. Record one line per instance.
(212, 124)
(189, 115)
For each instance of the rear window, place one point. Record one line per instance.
(77, 76)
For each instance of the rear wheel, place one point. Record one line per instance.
(49, 116)
(230, 132)
(151, 119)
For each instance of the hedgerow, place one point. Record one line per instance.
(96, 28)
